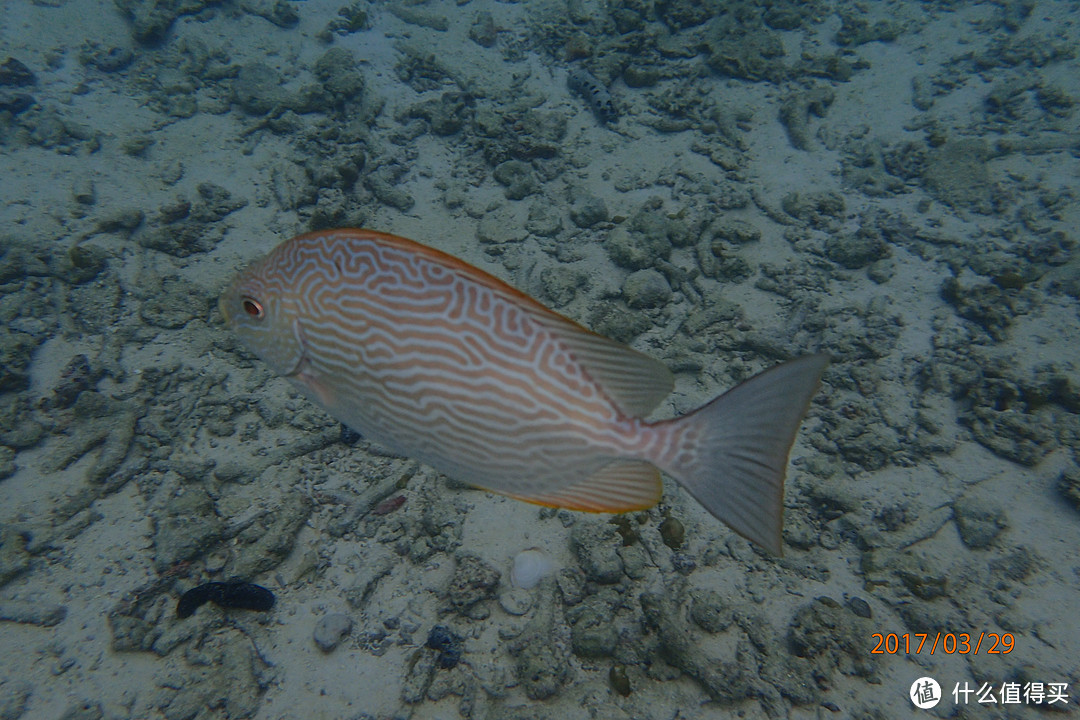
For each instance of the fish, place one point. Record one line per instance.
(440, 361)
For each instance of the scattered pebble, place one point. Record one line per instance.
(620, 682)
(646, 289)
(516, 601)
(331, 630)
(530, 567)
(388, 505)
(860, 607)
(673, 533)
(710, 611)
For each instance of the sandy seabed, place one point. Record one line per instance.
(892, 183)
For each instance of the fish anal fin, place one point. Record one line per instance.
(619, 486)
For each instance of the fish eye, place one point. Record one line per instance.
(252, 307)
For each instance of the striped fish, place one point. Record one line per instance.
(442, 362)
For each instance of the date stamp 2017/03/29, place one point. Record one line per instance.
(946, 643)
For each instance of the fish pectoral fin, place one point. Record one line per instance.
(310, 385)
(619, 486)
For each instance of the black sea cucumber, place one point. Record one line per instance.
(232, 594)
(594, 93)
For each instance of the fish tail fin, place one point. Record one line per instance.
(732, 453)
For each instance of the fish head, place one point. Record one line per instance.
(259, 308)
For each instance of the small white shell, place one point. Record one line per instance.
(530, 567)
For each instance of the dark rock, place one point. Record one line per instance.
(561, 284)
(725, 682)
(818, 208)
(985, 304)
(15, 102)
(265, 544)
(921, 575)
(619, 680)
(979, 522)
(257, 89)
(448, 644)
(1015, 567)
(517, 177)
(639, 76)
(646, 289)
(682, 563)
(636, 250)
(833, 637)
(473, 581)
(588, 210)
(151, 19)
(111, 59)
(483, 31)
(76, 376)
(735, 231)
(597, 548)
(215, 202)
(612, 321)
(796, 109)
(855, 30)
(13, 73)
(541, 669)
(337, 70)
(448, 114)
(593, 632)
(748, 51)
(185, 527)
(856, 250)
(1069, 486)
(710, 611)
(279, 12)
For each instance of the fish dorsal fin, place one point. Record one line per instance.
(619, 486)
(635, 382)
